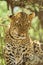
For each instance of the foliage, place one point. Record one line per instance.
(3, 24)
(36, 32)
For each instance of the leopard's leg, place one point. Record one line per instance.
(8, 55)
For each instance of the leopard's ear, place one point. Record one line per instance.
(31, 16)
(10, 16)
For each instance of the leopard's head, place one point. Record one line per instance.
(20, 23)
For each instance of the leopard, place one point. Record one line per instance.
(19, 48)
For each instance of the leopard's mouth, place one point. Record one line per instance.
(17, 36)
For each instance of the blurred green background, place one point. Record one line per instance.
(36, 32)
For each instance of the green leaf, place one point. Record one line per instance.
(37, 9)
(35, 23)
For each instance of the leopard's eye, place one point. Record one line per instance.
(28, 22)
(16, 21)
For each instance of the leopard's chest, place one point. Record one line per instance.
(18, 48)
(15, 49)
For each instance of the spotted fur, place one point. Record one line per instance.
(19, 49)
